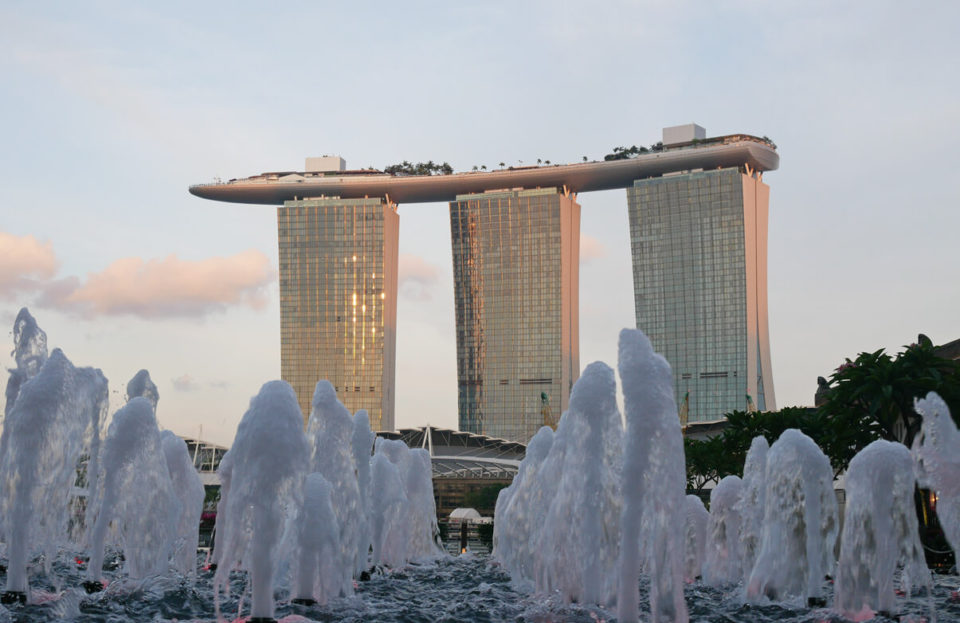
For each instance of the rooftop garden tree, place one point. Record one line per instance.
(420, 168)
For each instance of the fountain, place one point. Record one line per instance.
(29, 352)
(653, 484)
(188, 488)
(319, 559)
(55, 413)
(330, 432)
(577, 548)
(590, 520)
(138, 495)
(880, 533)
(696, 536)
(389, 513)
(799, 525)
(751, 503)
(361, 442)
(520, 508)
(937, 452)
(263, 478)
(724, 562)
(419, 528)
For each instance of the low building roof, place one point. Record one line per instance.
(458, 454)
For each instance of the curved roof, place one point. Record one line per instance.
(456, 454)
(464, 513)
(275, 188)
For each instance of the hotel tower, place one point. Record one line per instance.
(516, 289)
(699, 244)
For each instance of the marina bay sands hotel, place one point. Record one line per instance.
(698, 212)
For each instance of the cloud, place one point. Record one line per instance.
(184, 383)
(25, 264)
(416, 276)
(164, 288)
(591, 249)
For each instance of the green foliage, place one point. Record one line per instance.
(722, 455)
(211, 496)
(876, 392)
(622, 153)
(708, 461)
(869, 398)
(484, 499)
(420, 168)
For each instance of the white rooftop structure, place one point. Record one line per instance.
(683, 134)
(464, 513)
(320, 164)
(457, 454)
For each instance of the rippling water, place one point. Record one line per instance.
(454, 590)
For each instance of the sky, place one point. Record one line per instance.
(110, 110)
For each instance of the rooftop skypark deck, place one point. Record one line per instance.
(718, 152)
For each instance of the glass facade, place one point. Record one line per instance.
(698, 242)
(338, 301)
(516, 271)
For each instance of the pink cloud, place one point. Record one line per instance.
(25, 264)
(591, 249)
(167, 287)
(416, 276)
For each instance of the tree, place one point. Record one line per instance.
(724, 454)
(584, 158)
(869, 398)
(420, 168)
(503, 164)
(876, 392)
(708, 461)
(484, 499)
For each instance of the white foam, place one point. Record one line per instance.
(654, 483)
(189, 490)
(800, 522)
(724, 562)
(262, 476)
(880, 532)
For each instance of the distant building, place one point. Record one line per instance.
(516, 291)
(206, 458)
(950, 350)
(338, 301)
(462, 463)
(699, 245)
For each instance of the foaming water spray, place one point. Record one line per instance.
(880, 533)
(330, 433)
(695, 526)
(654, 480)
(55, 411)
(723, 564)
(263, 482)
(800, 522)
(138, 495)
(190, 493)
(937, 453)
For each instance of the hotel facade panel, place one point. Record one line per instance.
(516, 289)
(699, 247)
(338, 301)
